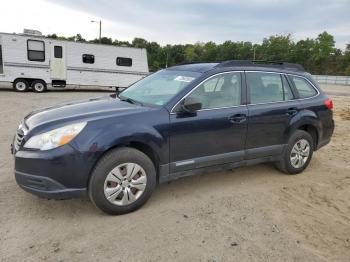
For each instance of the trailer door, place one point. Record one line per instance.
(58, 62)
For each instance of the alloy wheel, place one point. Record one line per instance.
(125, 184)
(300, 153)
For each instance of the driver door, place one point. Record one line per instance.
(215, 134)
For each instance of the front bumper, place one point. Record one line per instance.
(47, 188)
(59, 173)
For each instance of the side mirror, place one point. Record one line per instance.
(119, 90)
(191, 105)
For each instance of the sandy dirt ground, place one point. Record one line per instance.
(249, 214)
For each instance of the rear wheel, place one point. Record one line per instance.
(21, 85)
(122, 181)
(39, 86)
(297, 154)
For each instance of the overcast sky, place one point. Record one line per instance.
(181, 21)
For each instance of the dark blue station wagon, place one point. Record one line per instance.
(180, 121)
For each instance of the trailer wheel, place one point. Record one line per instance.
(21, 85)
(39, 86)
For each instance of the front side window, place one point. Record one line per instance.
(1, 62)
(58, 51)
(88, 59)
(304, 88)
(223, 90)
(160, 87)
(267, 87)
(36, 50)
(124, 61)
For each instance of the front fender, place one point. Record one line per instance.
(102, 135)
(141, 134)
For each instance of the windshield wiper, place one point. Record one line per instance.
(130, 100)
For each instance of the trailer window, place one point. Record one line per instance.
(88, 59)
(124, 61)
(58, 51)
(1, 63)
(36, 50)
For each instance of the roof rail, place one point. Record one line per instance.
(262, 63)
(197, 62)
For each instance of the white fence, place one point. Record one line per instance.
(334, 80)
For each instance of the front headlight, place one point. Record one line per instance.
(55, 138)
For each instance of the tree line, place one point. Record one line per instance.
(318, 56)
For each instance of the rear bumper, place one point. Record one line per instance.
(323, 143)
(46, 187)
(328, 131)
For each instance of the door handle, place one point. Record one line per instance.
(292, 111)
(238, 118)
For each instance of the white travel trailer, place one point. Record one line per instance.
(32, 61)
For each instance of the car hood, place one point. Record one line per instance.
(84, 110)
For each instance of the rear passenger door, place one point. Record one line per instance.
(271, 106)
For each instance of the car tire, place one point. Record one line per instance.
(297, 154)
(114, 186)
(20, 85)
(39, 86)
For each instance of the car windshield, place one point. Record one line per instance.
(158, 88)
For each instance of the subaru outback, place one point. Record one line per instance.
(184, 120)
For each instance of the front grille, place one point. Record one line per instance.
(21, 132)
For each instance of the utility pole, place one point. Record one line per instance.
(100, 24)
(254, 48)
(100, 32)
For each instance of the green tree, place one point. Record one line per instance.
(277, 48)
(53, 36)
(79, 38)
(323, 54)
(324, 45)
(176, 55)
(245, 51)
(190, 53)
(209, 52)
(303, 52)
(139, 43)
(154, 55)
(318, 56)
(227, 51)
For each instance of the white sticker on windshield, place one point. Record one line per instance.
(184, 79)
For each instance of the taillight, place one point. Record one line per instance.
(328, 103)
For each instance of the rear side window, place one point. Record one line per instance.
(1, 62)
(36, 50)
(58, 51)
(267, 87)
(88, 59)
(220, 91)
(124, 61)
(304, 87)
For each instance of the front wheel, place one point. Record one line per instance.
(122, 181)
(298, 153)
